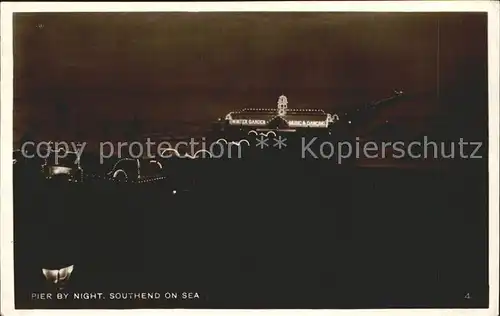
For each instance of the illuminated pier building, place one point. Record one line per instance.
(281, 119)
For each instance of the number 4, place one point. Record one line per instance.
(467, 296)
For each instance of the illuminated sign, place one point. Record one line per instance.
(247, 122)
(282, 110)
(307, 123)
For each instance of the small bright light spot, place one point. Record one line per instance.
(349, 122)
(174, 192)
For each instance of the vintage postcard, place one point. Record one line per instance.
(287, 157)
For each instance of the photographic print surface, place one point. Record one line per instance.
(250, 160)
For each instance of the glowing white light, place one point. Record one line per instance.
(332, 118)
(60, 170)
(179, 155)
(202, 151)
(174, 192)
(196, 154)
(349, 122)
(120, 171)
(308, 123)
(282, 105)
(157, 163)
(238, 143)
(59, 275)
(282, 102)
(77, 161)
(247, 122)
(120, 160)
(235, 142)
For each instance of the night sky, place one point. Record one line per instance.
(179, 71)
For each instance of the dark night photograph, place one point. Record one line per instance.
(250, 160)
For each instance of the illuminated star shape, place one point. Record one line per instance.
(262, 142)
(279, 142)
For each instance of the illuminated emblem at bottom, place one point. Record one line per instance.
(58, 277)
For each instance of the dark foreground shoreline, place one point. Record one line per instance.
(268, 237)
